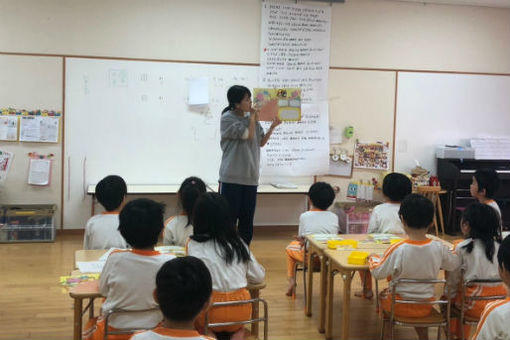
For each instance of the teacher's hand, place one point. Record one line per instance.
(276, 122)
(254, 114)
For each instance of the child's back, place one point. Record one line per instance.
(178, 228)
(183, 290)
(417, 257)
(385, 218)
(410, 259)
(226, 277)
(128, 277)
(216, 242)
(127, 281)
(318, 221)
(494, 320)
(101, 231)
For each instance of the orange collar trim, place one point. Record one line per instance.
(110, 213)
(490, 201)
(145, 252)
(182, 214)
(418, 243)
(316, 209)
(178, 333)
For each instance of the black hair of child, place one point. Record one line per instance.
(322, 195)
(141, 222)
(487, 179)
(191, 188)
(484, 225)
(504, 254)
(183, 287)
(416, 211)
(110, 192)
(396, 186)
(212, 220)
(235, 95)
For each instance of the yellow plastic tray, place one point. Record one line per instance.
(358, 257)
(334, 244)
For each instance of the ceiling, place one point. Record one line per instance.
(483, 3)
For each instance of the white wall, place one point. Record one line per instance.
(367, 34)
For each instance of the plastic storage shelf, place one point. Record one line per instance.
(27, 223)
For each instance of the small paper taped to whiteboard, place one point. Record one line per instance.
(198, 91)
(39, 172)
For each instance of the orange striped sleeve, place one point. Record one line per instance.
(168, 220)
(488, 309)
(374, 264)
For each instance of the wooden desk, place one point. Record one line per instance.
(171, 189)
(90, 290)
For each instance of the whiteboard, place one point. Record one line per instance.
(132, 118)
(440, 108)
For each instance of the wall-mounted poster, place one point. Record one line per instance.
(372, 155)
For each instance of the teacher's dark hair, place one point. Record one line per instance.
(235, 95)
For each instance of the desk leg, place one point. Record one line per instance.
(309, 286)
(329, 304)
(255, 294)
(346, 304)
(323, 290)
(78, 306)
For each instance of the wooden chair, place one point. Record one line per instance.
(435, 319)
(432, 193)
(108, 315)
(253, 320)
(460, 314)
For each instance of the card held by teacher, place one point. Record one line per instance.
(284, 103)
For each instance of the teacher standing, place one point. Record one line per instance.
(242, 136)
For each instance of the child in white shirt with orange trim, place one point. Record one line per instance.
(178, 228)
(480, 225)
(385, 219)
(128, 277)
(483, 187)
(318, 220)
(417, 257)
(101, 231)
(494, 320)
(216, 241)
(183, 291)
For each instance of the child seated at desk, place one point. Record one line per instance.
(484, 185)
(318, 220)
(417, 257)
(101, 231)
(178, 228)
(128, 277)
(183, 291)
(494, 320)
(385, 218)
(216, 241)
(480, 226)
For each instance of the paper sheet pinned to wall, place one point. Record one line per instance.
(198, 91)
(5, 164)
(39, 172)
(39, 129)
(9, 128)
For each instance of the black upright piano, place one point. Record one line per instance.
(455, 176)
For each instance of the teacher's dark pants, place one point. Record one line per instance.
(242, 200)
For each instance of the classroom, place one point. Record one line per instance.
(409, 76)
